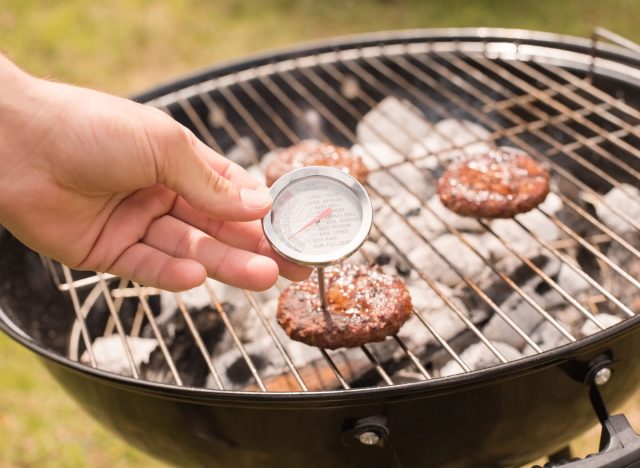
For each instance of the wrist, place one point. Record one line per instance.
(19, 102)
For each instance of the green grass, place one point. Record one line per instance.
(41, 426)
(127, 45)
(124, 46)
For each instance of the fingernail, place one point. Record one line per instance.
(255, 198)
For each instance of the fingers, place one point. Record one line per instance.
(225, 263)
(208, 181)
(243, 235)
(151, 267)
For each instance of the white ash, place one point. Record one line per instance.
(434, 311)
(111, 356)
(547, 336)
(440, 212)
(607, 320)
(414, 179)
(523, 313)
(376, 154)
(460, 136)
(626, 199)
(384, 184)
(569, 280)
(518, 238)
(243, 153)
(456, 252)
(393, 121)
(479, 356)
(232, 368)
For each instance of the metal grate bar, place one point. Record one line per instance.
(588, 87)
(79, 317)
(198, 339)
(296, 374)
(64, 286)
(550, 281)
(156, 332)
(186, 106)
(113, 311)
(594, 140)
(263, 104)
(563, 109)
(610, 233)
(221, 119)
(415, 361)
(76, 329)
(247, 117)
(335, 369)
(376, 364)
(110, 325)
(585, 104)
(432, 284)
(592, 249)
(234, 337)
(569, 262)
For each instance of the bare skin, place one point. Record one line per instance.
(102, 183)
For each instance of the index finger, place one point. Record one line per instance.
(225, 167)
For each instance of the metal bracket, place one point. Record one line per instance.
(371, 431)
(619, 444)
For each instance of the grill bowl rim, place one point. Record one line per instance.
(434, 386)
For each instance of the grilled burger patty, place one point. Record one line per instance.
(312, 153)
(497, 184)
(362, 305)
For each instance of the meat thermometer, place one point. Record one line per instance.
(320, 216)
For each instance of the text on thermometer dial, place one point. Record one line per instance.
(319, 216)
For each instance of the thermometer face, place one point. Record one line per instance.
(319, 216)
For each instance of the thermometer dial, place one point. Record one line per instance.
(320, 216)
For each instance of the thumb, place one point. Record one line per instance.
(211, 183)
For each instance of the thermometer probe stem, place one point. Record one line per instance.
(321, 292)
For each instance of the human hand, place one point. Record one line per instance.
(102, 183)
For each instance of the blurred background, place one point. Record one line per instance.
(127, 46)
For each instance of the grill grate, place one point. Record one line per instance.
(554, 114)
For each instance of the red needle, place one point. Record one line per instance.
(323, 214)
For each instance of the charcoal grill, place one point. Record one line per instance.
(571, 103)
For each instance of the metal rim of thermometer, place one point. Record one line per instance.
(319, 216)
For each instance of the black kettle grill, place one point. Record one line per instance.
(205, 393)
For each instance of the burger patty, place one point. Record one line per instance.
(497, 184)
(362, 305)
(312, 153)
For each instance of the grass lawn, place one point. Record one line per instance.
(124, 46)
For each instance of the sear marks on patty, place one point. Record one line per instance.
(312, 153)
(497, 184)
(363, 305)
